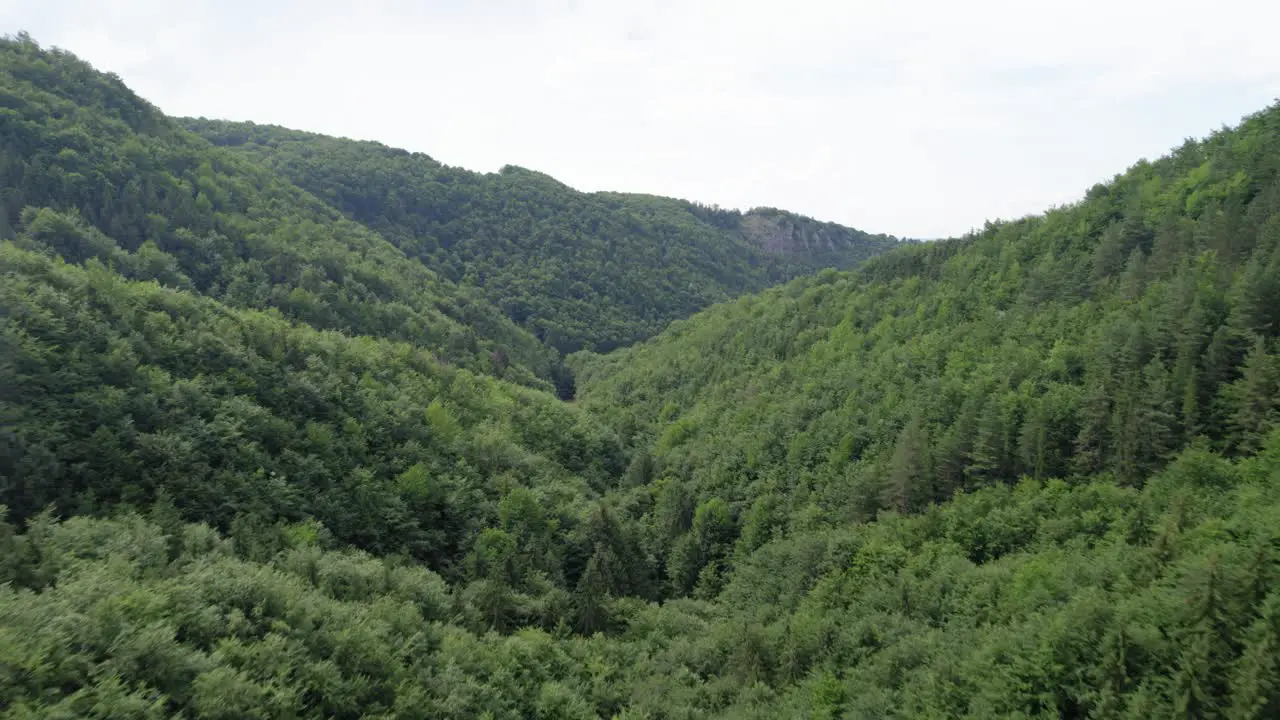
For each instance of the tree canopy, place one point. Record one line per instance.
(261, 459)
(579, 270)
(79, 142)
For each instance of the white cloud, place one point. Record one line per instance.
(915, 118)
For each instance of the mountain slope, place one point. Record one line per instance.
(1097, 338)
(79, 141)
(593, 270)
(118, 392)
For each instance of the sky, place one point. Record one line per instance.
(917, 118)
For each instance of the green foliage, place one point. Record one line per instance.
(121, 392)
(255, 462)
(953, 365)
(1036, 600)
(580, 270)
(123, 178)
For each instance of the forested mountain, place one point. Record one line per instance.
(1031, 472)
(120, 391)
(125, 177)
(1097, 338)
(580, 270)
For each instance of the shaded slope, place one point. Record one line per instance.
(595, 270)
(115, 392)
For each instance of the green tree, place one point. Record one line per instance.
(1252, 400)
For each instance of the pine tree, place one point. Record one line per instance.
(610, 549)
(1255, 297)
(1093, 441)
(1110, 254)
(1189, 413)
(1157, 417)
(1125, 427)
(592, 596)
(1033, 440)
(1113, 676)
(1134, 277)
(1170, 243)
(1202, 675)
(1255, 683)
(1254, 399)
(909, 486)
(1196, 697)
(1219, 367)
(1191, 337)
(166, 516)
(987, 458)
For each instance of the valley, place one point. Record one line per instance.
(286, 431)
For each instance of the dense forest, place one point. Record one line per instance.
(260, 456)
(1097, 338)
(79, 142)
(579, 270)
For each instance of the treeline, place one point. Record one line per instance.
(579, 270)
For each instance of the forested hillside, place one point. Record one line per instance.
(1097, 338)
(580, 270)
(257, 462)
(79, 142)
(120, 391)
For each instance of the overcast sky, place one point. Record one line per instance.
(916, 118)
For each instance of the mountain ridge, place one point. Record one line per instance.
(579, 269)
(81, 143)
